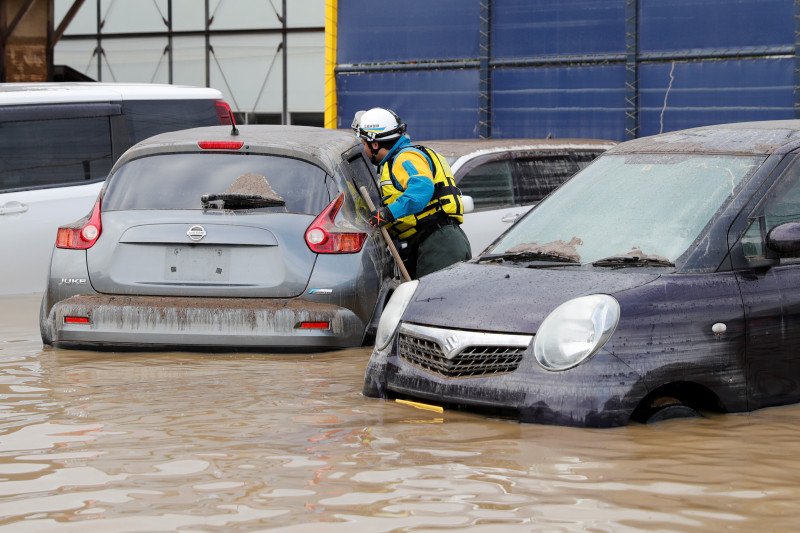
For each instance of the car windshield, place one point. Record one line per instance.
(218, 181)
(640, 209)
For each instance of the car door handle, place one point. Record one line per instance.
(510, 218)
(11, 208)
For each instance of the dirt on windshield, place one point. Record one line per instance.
(637, 252)
(567, 250)
(254, 185)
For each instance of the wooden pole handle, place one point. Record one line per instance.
(389, 243)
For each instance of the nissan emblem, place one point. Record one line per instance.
(196, 233)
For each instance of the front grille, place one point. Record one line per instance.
(472, 361)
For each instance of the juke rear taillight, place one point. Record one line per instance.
(82, 234)
(323, 236)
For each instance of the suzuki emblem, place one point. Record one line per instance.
(451, 343)
(196, 233)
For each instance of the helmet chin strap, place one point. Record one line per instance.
(373, 154)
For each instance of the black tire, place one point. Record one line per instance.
(672, 411)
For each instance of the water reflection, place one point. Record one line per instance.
(158, 442)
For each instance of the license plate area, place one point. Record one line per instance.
(197, 263)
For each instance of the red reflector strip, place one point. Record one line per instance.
(220, 145)
(314, 325)
(76, 320)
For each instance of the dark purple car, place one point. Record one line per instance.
(661, 281)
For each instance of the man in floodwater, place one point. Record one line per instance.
(421, 204)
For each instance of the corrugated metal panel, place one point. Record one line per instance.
(524, 28)
(434, 104)
(560, 101)
(693, 24)
(713, 92)
(560, 67)
(377, 32)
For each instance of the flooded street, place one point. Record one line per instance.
(192, 442)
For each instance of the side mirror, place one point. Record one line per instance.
(785, 239)
(469, 205)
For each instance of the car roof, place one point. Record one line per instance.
(67, 92)
(742, 138)
(455, 148)
(320, 146)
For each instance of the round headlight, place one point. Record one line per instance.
(575, 330)
(390, 317)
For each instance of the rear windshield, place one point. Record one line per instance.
(178, 181)
(539, 176)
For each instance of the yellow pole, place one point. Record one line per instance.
(331, 16)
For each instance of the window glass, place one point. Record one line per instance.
(489, 185)
(52, 153)
(782, 203)
(177, 181)
(151, 117)
(752, 244)
(653, 205)
(257, 118)
(539, 176)
(582, 159)
(308, 119)
(364, 176)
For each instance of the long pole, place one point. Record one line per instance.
(169, 39)
(285, 109)
(99, 43)
(389, 243)
(208, 46)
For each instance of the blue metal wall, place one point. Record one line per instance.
(436, 104)
(410, 30)
(581, 68)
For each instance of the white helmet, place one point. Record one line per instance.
(378, 124)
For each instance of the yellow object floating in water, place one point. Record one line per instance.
(423, 406)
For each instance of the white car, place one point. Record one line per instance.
(58, 142)
(507, 177)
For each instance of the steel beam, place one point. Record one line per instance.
(557, 61)
(65, 22)
(284, 51)
(169, 40)
(485, 73)
(396, 67)
(196, 33)
(99, 50)
(207, 35)
(796, 58)
(23, 10)
(631, 69)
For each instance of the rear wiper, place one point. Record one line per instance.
(632, 260)
(527, 256)
(239, 201)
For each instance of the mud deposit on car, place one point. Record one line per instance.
(174, 441)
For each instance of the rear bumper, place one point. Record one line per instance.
(150, 322)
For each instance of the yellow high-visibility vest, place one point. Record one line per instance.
(446, 199)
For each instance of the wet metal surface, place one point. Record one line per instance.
(174, 441)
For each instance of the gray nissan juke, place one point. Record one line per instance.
(211, 238)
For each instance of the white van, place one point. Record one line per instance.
(58, 142)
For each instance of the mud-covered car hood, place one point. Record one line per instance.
(509, 299)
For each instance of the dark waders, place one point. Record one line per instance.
(444, 246)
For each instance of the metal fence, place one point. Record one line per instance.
(228, 44)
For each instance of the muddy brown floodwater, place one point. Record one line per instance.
(191, 442)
